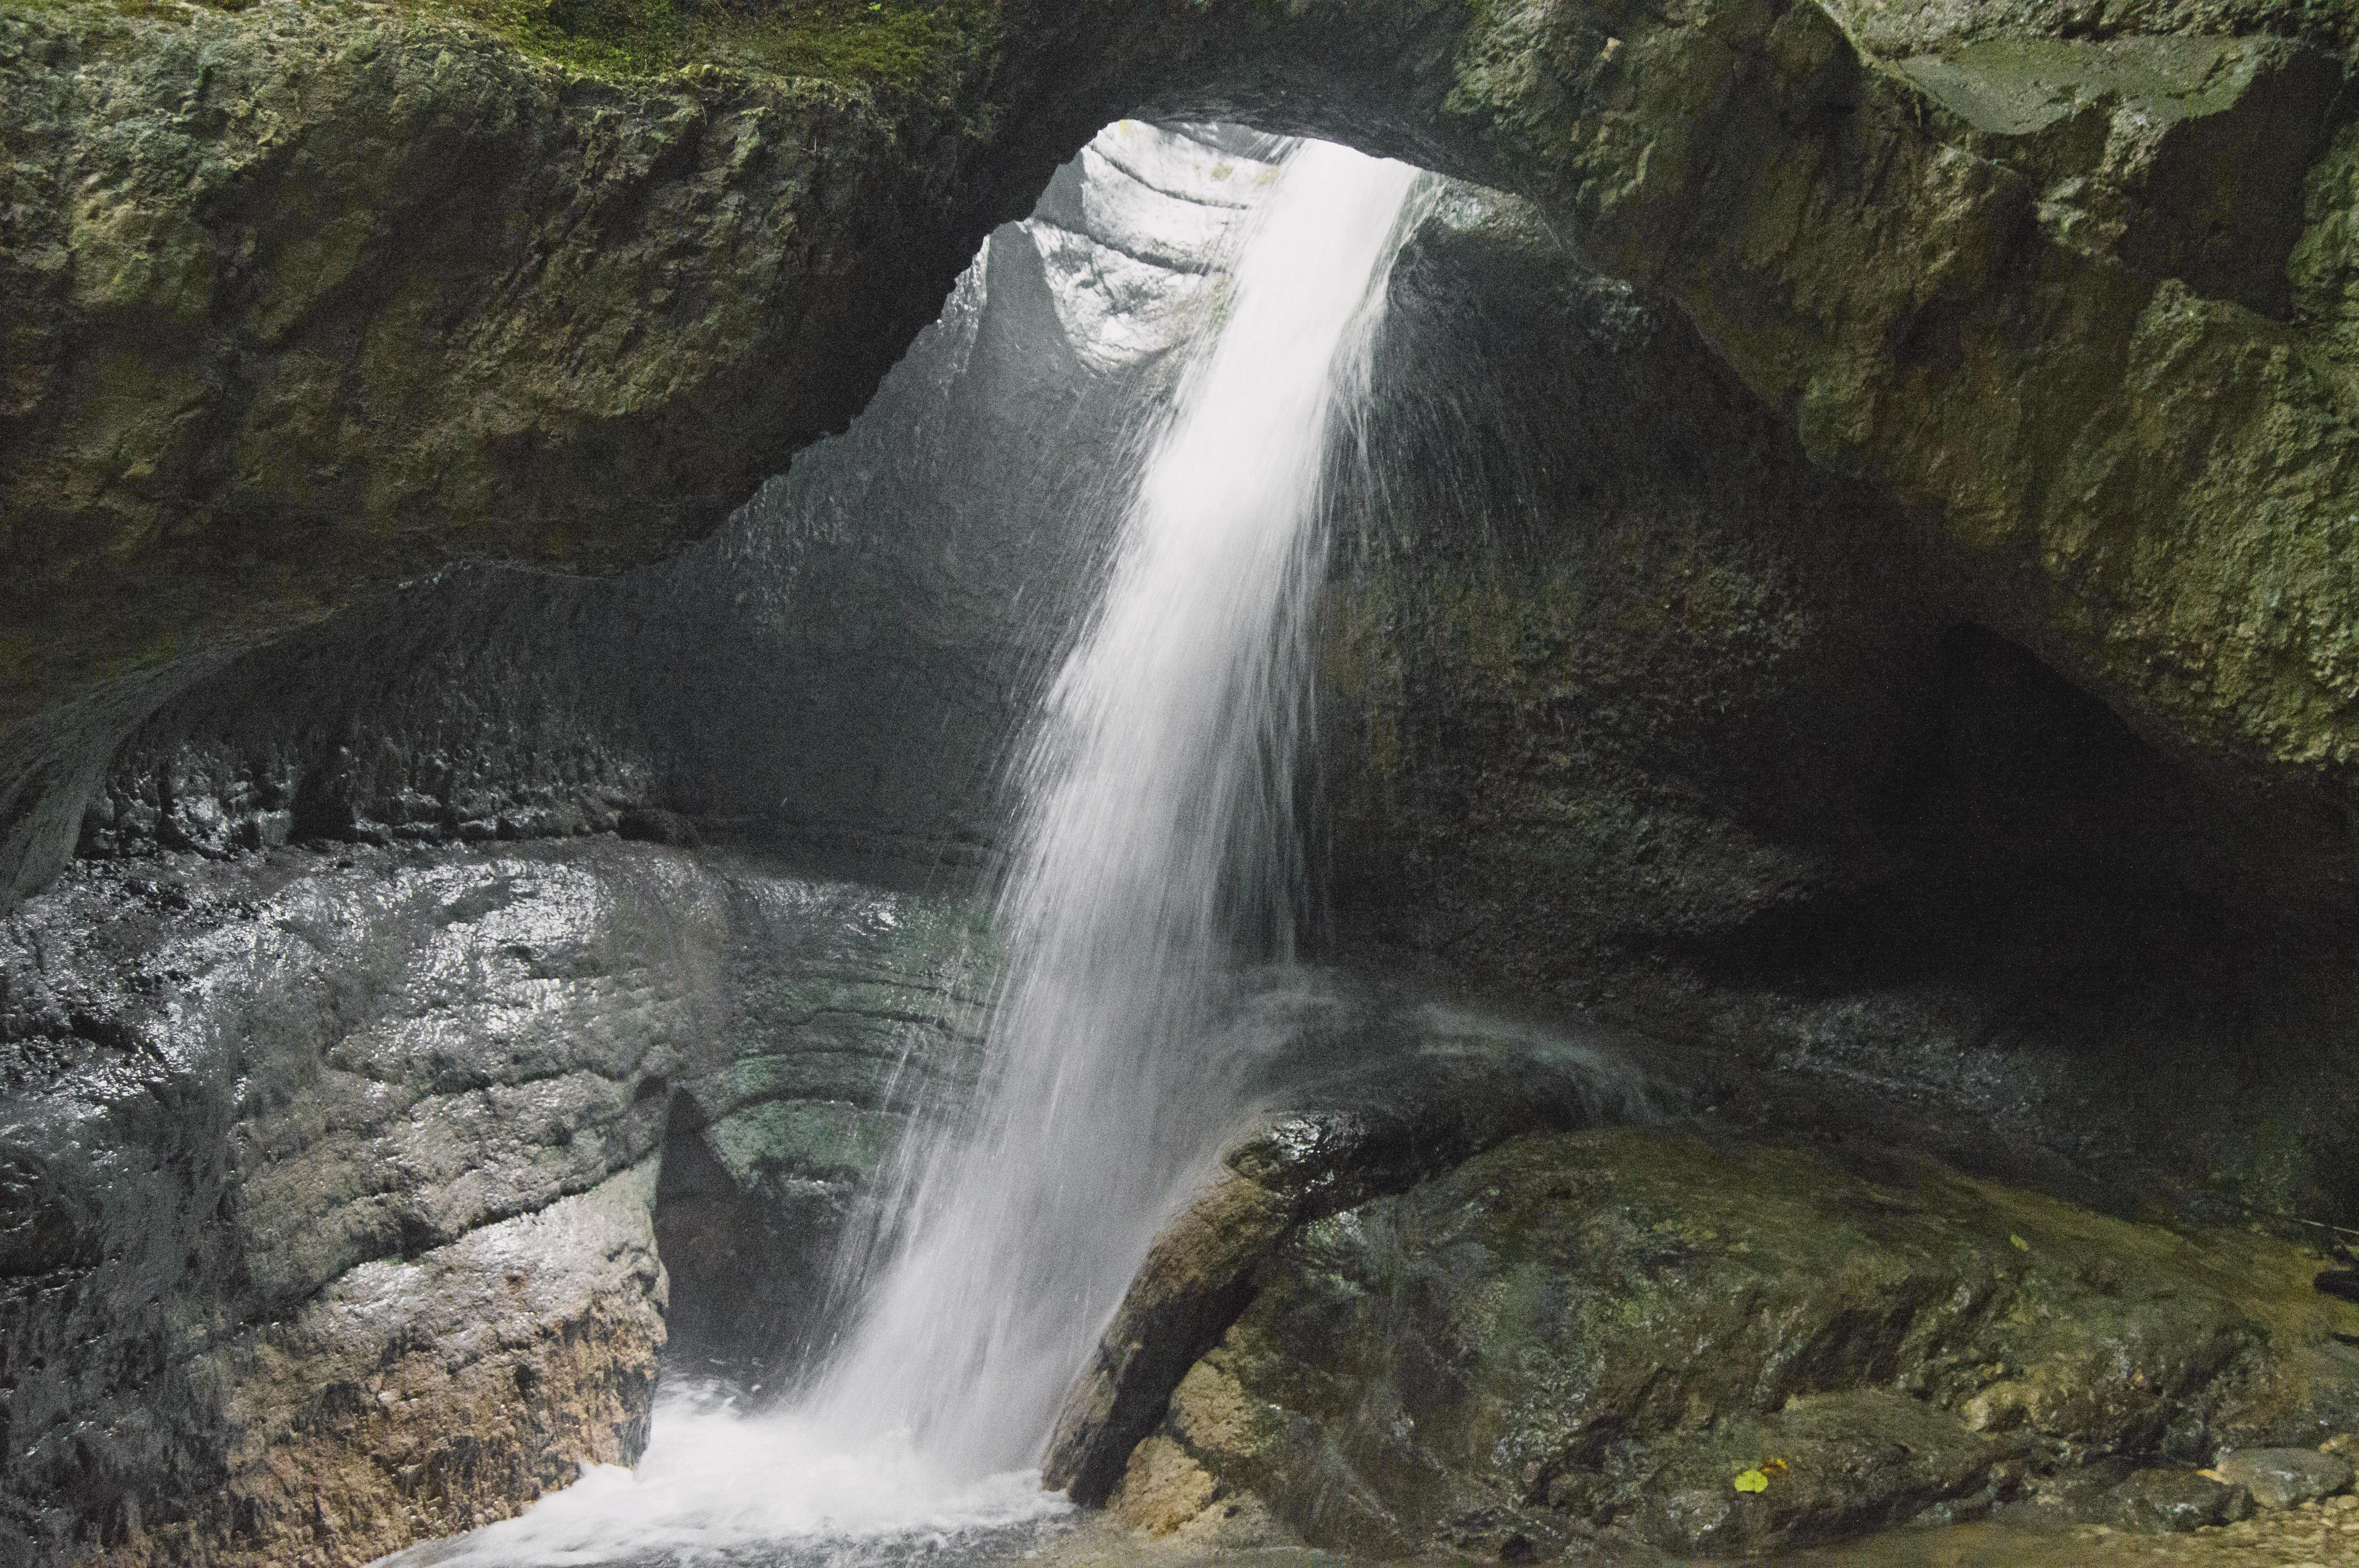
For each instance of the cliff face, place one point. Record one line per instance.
(335, 1185)
(393, 288)
(474, 1106)
(1864, 581)
(301, 303)
(1997, 263)
(1628, 702)
(842, 664)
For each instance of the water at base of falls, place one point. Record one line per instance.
(1156, 852)
(778, 1489)
(724, 1485)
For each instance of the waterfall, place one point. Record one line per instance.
(1156, 852)
(1158, 836)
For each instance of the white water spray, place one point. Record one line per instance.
(1159, 834)
(1158, 845)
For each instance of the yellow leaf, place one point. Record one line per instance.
(1752, 1481)
(2020, 1244)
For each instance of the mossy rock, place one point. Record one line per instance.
(1714, 1346)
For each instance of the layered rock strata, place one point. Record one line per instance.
(844, 665)
(335, 1185)
(1973, 724)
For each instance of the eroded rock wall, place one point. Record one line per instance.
(845, 664)
(1987, 260)
(1620, 1344)
(1629, 701)
(302, 305)
(335, 1185)
(540, 1101)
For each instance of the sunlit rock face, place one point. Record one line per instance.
(1131, 234)
(336, 1184)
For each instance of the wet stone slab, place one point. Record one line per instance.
(1643, 1340)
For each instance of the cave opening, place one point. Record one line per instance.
(1674, 810)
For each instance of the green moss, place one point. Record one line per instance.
(900, 46)
(1611, 1319)
(896, 45)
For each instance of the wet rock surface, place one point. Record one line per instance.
(1630, 703)
(1943, 689)
(2282, 1478)
(2173, 1501)
(852, 1013)
(337, 1183)
(1449, 1084)
(1712, 1345)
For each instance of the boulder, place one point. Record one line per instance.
(1433, 1099)
(1712, 1345)
(2176, 1500)
(2282, 1478)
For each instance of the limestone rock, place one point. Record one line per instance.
(1859, 206)
(2282, 1478)
(836, 663)
(421, 1396)
(1692, 731)
(852, 1011)
(331, 1189)
(1378, 1128)
(380, 267)
(1716, 1347)
(2174, 1501)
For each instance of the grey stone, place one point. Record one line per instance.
(2176, 1500)
(2282, 1478)
(332, 1186)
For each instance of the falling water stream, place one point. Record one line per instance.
(1158, 832)
(1157, 853)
